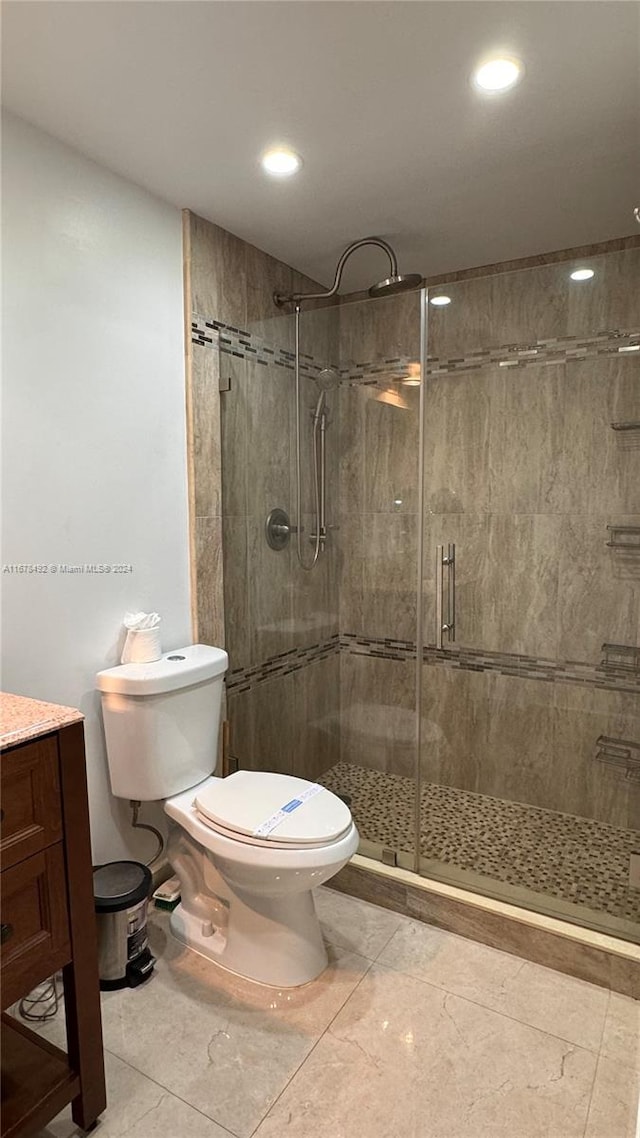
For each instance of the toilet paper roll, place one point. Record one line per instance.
(142, 646)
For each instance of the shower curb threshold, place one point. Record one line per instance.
(587, 954)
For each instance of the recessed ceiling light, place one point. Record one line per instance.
(498, 74)
(582, 274)
(281, 162)
(440, 301)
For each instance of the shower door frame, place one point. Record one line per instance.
(424, 326)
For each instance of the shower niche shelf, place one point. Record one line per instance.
(625, 656)
(621, 754)
(629, 426)
(625, 538)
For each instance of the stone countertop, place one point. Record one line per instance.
(22, 719)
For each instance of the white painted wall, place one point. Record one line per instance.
(93, 444)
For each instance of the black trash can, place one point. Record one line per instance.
(121, 890)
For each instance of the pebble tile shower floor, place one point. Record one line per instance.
(411, 1032)
(562, 856)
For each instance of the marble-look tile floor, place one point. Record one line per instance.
(411, 1031)
(572, 859)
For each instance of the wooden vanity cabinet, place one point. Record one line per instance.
(48, 925)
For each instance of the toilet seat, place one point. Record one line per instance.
(279, 811)
(265, 843)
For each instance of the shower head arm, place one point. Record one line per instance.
(281, 299)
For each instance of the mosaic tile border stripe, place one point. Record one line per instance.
(244, 679)
(562, 349)
(243, 345)
(467, 659)
(505, 663)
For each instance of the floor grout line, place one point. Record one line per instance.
(401, 918)
(488, 1008)
(167, 1090)
(595, 1072)
(604, 1022)
(386, 944)
(593, 1087)
(320, 1037)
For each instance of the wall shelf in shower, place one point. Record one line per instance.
(623, 754)
(624, 538)
(625, 656)
(629, 426)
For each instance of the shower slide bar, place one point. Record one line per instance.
(620, 753)
(445, 561)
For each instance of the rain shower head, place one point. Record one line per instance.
(395, 282)
(401, 282)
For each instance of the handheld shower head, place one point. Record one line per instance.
(327, 379)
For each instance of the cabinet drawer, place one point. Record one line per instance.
(35, 930)
(31, 816)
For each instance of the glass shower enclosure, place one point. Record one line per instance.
(462, 663)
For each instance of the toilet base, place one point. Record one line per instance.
(247, 907)
(273, 941)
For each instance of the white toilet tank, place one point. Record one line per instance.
(161, 721)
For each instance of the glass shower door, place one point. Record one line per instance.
(530, 756)
(322, 682)
(377, 534)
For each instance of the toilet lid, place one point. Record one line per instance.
(276, 807)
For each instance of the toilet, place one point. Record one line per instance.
(248, 849)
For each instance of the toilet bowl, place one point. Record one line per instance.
(247, 901)
(248, 849)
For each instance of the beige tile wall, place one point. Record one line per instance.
(377, 716)
(535, 476)
(290, 725)
(528, 741)
(537, 304)
(378, 493)
(274, 605)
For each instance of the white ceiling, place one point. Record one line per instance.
(182, 97)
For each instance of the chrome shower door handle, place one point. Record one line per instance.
(450, 562)
(448, 625)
